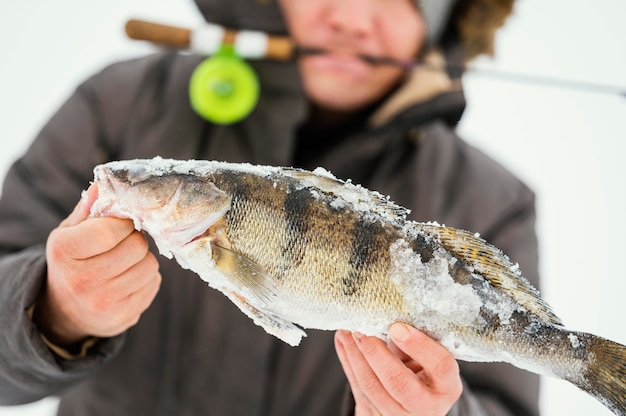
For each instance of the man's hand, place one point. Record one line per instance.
(101, 277)
(413, 375)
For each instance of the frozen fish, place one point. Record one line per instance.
(295, 249)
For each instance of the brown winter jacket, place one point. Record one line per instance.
(193, 352)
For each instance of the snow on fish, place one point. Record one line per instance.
(295, 249)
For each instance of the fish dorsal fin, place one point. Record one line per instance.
(495, 266)
(345, 192)
(249, 276)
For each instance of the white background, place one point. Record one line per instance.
(569, 146)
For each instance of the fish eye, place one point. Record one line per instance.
(137, 173)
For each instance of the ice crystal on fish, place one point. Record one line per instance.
(433, 295)
(574, 340)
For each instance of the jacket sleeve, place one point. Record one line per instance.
(28, 369)
(41, 188)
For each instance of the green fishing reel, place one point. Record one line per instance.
(224, 89)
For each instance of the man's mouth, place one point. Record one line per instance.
(366, 58)
(340, 63)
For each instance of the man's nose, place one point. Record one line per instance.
(354, 18)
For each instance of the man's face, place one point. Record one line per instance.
(339, 80)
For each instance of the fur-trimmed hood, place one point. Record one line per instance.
(474, 23)
(469, 31)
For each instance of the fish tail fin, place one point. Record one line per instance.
(605, 378)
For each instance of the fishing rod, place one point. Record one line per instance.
(224, 88)
(209, 38)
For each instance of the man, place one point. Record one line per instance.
(97, 318)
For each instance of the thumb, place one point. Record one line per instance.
(82, 209)
(400, 332)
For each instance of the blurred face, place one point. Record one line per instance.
(339, 80)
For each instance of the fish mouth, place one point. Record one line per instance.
(103, 205)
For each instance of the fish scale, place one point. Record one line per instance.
(296, 249)
(287, 230)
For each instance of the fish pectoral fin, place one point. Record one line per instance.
(256, 287)
(244, 273)
(272, 324)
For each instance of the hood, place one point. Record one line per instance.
(459, 31)
(473, 25)
(263, 15)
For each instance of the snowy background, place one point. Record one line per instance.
(569, 146)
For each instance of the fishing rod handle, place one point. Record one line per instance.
(208, 39)
(167, 35)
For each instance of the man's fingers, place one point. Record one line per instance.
(142, 284)
(89, 238)
(341, 339)
(358, 348)
(440, 371)
(80, 238)
(81, 210)
(363, 406)
(135, 280)
(125, 255)
(398, 382)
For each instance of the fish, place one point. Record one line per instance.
(296, 249)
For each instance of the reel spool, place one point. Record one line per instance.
(224, 89)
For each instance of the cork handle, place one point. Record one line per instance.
(278, 47)
(173, 36)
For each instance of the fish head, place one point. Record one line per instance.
(174, 207)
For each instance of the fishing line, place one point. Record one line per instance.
(499, 74)
(550, 82)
